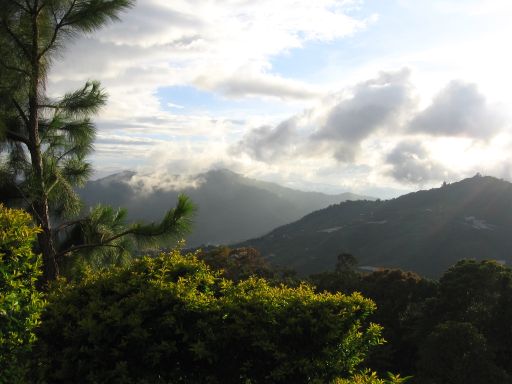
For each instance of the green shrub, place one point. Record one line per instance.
(170, 319)
(368, 377)
(20, 303)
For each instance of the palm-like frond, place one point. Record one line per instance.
(104, 235)
(76, 171)
(89, 15)
(176, 223)
(82, 102)
(89, 239)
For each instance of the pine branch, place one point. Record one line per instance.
(52, 186)
(175, 223)
(28, 202)
(65, 154)
(13, 68)
(85, 101)
(17, 137)
(21, 112)
(58, 26)
(18, 42)
(38, 10)
(93, 14)
(177, 219)
(20, 5)
(80, 247)
(67, 224)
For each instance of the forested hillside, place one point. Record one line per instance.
(426, 231)
(230, 207)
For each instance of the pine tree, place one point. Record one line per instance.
(44, 142)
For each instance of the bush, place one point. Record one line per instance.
(20, 303)
(368, 377)
(170, 319)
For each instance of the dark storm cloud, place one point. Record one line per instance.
(459, 110)
(410, 162)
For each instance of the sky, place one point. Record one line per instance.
(378, 97)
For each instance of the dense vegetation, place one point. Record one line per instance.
(177, 318)
(171, 319)
(455, 330)
(20, 303)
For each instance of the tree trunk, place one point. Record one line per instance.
(45, 239)
(40, 206)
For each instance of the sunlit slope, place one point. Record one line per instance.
(426, 231)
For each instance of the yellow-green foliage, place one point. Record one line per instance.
(368, 377)
(20, 303)
(170, 319)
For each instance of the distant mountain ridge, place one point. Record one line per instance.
(425, 231)
(231, 207)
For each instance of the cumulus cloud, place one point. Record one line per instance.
(337, 127)
(379, 103)
(376, 127)
(374, 103)
(411, 162)
(382, 109)
(459, 110)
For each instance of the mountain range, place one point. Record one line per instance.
(231, 207)
(426, 231)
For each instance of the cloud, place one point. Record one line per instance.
(379, 103)
(153, 23)
(374, 104)
(216, 45)
(381, 109)
(411, 162)
(103, 138)
(338, 126)
(234, 50)
(247, 84)
(459, 110)
(375, 129)
(268, 143)
(147, 183)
